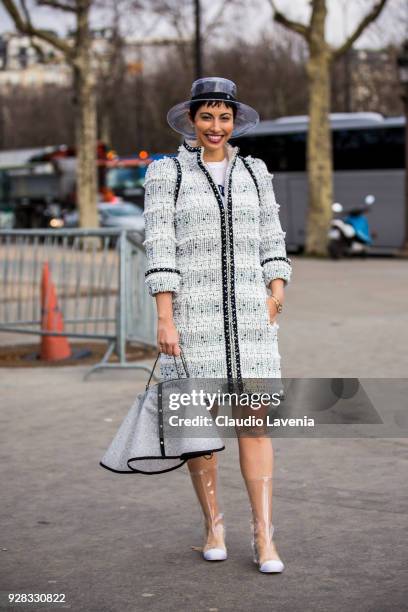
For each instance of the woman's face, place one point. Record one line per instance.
(213, 125)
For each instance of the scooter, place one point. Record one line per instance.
(350, 235)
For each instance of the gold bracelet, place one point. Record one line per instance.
(278, 304)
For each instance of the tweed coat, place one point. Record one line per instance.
(217, 261)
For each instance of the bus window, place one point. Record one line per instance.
(368, 148)
(280, 152)
(353, 149)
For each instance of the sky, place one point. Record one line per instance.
(342, 18)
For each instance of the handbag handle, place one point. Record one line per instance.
(175, 362)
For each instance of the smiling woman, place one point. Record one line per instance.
(212, 92)
(215, 247)
(214, 124)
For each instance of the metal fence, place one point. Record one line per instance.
(101, 290)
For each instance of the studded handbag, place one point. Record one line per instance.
(146, 443)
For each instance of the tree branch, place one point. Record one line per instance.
(25, 27)
(25, 11)
(57, 5)
(295, 26)
(216, 20)
(34, 44)
(364, 23)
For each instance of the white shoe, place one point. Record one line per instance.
(273, 566)
(205, 485)
(215, 554)
(260, 495)
(270, 566)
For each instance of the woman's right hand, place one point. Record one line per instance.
(168, 337)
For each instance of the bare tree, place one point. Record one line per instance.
(51, 107)
(111, 72)
(319, 150)
(278, 57)
(77, 53)
(179, 15)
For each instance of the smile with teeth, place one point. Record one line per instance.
(214, 137)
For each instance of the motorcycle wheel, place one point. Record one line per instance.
(336, 249)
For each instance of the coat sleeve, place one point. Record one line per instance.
(162, 273)
(272, 251)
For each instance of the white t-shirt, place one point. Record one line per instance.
(218, 170)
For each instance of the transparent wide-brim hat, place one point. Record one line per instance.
(212, 88)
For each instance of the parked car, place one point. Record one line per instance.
(112, 215)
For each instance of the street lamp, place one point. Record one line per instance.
(402, 63)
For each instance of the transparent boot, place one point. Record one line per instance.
(264, 550)
(205, 485)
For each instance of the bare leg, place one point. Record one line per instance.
(204, 473)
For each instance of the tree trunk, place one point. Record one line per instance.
(85, 122)
(105, 126)
(319, 146)
(85, 125)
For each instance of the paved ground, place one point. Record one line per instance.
(123, 543)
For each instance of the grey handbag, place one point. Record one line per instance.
(144, 443)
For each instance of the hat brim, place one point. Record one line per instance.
(246, 118)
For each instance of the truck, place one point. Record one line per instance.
(37, 185)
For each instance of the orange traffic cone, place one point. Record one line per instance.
(52, 348)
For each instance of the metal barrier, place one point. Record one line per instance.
(101, 291)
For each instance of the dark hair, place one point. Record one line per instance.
(196, 104)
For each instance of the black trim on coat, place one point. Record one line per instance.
(190, 148)
(153, 270)
(252, 173)
(223, 262)
(225, 255)
(232, 259)
(178, 180)
(288, 261)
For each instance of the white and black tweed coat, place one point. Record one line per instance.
(217, 260)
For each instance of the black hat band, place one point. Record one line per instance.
(217, 95)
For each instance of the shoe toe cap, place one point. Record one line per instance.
(272, 566)
(215, 554)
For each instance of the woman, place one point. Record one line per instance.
(215, 250)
